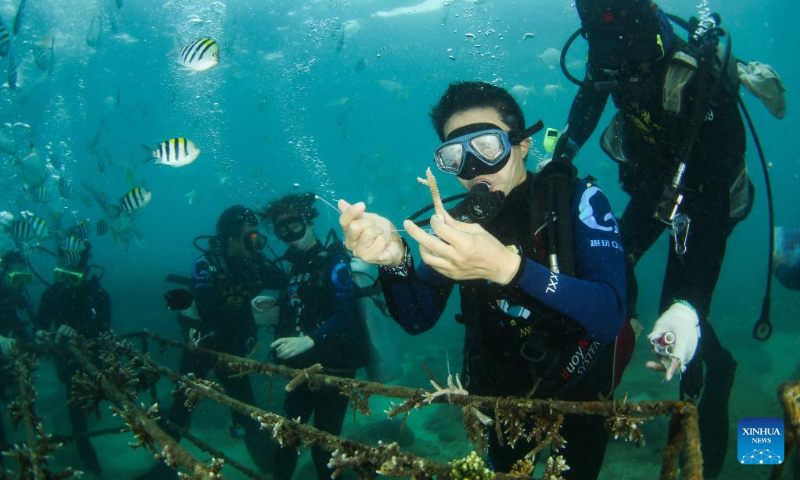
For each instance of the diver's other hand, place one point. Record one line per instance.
(286, 348)
(7, 346)
(42, 336)
(65, 333)
(179, 299)
(465, 251)
(674, 338)
(265, 310)
(372, 238)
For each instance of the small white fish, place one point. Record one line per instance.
(94, 30)
(522, 93)
(552, 90)
(391, 86)
(528, 35)
(272, 56)
(469, 35)
(125, 38)
(199, 55)
(551, 57)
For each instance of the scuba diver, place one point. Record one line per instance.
(542, 300)
(216, 314)
(318, 323)
(15, 275)
(75, 305)
(680, 144)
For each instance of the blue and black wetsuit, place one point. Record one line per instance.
(566, 321)
(223, 287)
(320, 302)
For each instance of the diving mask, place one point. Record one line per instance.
(17, 279)
(254, 241)
(290, 229)
(478, 149)
(68, 277)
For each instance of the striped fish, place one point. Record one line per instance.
(135, 199)
(28, 228)
(102, 227)
(18, 17)
(40, 194)
(73, 244)
(12, 71)
(81, 230)
(199, 55)
(56, 223)
(70, 258)
(5, 40)
(44, 55)
(175, 152)
(66, 189)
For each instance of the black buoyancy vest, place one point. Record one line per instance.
(307, 303)
(508, 347)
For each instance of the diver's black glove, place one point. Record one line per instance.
(566, 149)
(179, 299)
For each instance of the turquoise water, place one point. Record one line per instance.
(332, 96)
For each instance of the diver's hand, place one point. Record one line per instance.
(674, 339)
(7, 346)
(370, 237)
(265, 310)
(65, 333)
(42, 336)
(179, 299)
(286, 348)
(464, 251)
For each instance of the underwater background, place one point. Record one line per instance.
(332, 96)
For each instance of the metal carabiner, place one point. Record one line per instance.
(680, 232)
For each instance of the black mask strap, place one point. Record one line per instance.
(517, 137)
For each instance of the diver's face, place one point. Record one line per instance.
(513, 173)
(291, 227)
(236, 245)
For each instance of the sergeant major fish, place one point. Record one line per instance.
(12, 71)
(73, 244)
(18, 17)
(28, 227)
(199, 55)
(44, 56)
(135, 199)
(175, 152)
(5, 40)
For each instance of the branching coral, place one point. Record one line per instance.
(430, 182)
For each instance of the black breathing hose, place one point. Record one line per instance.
(762, 330)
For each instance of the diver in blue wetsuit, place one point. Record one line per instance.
(318, 323)
(530, 330)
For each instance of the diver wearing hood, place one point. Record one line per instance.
(533, 326)
(318, 324)
(217, 313)
(680, 143)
